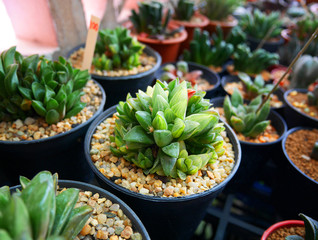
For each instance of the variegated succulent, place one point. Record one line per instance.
(244, 118)
(34, 85)
(168, 130)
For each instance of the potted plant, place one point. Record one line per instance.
(261, 27)
(293, 229)
(152, 27)
(220, 14)
(259, 132)
(200, 77)
(121, 64)
(44, 107)
(185, 15)
(77, 210)
(163, 151)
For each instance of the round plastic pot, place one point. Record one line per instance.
(165, 218)
(62, 153)
(283, 224)
(294, 191)
(279, 92)
(136, 223)
(189, 27)
(207, 74)
(168, 48)
(295, 117)
(225, 25)
(268, 46)
(255, 155)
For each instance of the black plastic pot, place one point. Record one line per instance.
(62, 153)
(279, 92)
(295, 192)
(255, 155)
(208, 75)
(268, 46)
(164, 218)
(295, 117)
(136, 223)
(117, 88)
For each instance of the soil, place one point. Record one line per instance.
(204, 85)
(147, 63)
(300, 102)
(216, 69)
(283, 232)
(265, 74)
(277, 74)
(299, 146)
(193, 19)
(229, 87)
(269, 135)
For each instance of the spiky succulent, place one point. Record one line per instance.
(313, 97)
(311, 229)
(34, 85)
(117, 49)
(253, 62)
(256, 87)
(203, 53)
(235, 37)
(184, 9)
(219, 10)
(38, 212)
(168, 130)
(244, 118)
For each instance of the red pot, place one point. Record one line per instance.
(189, 27)
(168, 48)
(288, 223)
(225, 25)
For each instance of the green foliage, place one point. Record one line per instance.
(34, 85)
(295, 12)
(258, 24)
(311, 229)
(244, 118)
(165, 131)
(253, 62)
(219, 10)
(256, 87)
(305, 72)
(150, 20)
(117, 49)
(184, 10)
(201, 51)
(306, 26)
(37, 212)
(314, 153)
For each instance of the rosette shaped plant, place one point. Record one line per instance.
(244, 118)
(34, 85)
(168, 130)
(38, 212)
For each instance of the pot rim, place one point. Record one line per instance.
(280, 41)
(230, 22)
(204, 21)
(90, 187)
(300, 90)
(109, 112)
(61, 135)
(272, 114)
(290, 131)
(278, 225)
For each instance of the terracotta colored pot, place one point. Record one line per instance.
(225, 25)
(168, 49)
(189, 27)
(287, 223)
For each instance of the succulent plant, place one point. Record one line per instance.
(258, 24)
(34, 85)
(168, 130)
(201, 51)
(313, 97)
(295, 12)
(311, 229)
(253, 62)
(306, 26)
(256, 87)
(150, 20)
(314, 153)
(38, 212)
(117, 49)
(184, 9)
(235, 37)
(219, 10)
(244, 118)
(305, 72)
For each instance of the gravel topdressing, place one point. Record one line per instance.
(131, 177)
(33, 128)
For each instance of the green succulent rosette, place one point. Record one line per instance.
(169, 130)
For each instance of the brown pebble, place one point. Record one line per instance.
(126, 233)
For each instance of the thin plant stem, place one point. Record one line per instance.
(269, 32)
(313, 36)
